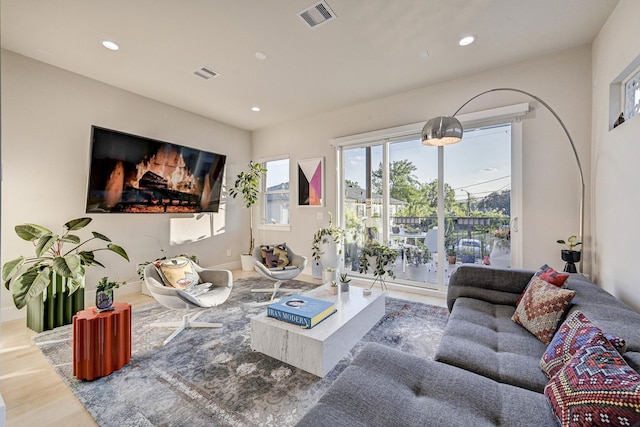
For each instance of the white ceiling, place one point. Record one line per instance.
(373, 48)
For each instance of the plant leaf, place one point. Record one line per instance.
(77, 224)
(67, 266)
(117, 249)
(10, 268)
(30, 284)
(45, 243)
(30, 232)
(70, 238)
(101, 236)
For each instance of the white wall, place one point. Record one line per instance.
(615, 156)
(47, 115)
(552, 194)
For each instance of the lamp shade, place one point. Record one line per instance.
(443, 130)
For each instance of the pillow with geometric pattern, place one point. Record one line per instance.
(595, 387)
(541, 308)
(549, 275)
(178, 272)
(574, 332)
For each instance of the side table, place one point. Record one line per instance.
(101, 341)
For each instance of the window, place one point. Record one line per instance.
(276, 192)
(632, 95)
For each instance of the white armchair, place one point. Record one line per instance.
(298, 264)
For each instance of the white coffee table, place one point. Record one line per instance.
(318, 350)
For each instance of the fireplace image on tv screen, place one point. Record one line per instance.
(133, 174)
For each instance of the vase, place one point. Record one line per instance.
(570, 257)
(104, 300)
(344, 286)
(329, 275)
(329, 257)
(333, 290)
(57, 309)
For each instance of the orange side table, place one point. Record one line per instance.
(101, 341)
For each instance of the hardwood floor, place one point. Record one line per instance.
(35, 395)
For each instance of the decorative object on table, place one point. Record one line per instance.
(52, 286)
(311, 182)
(570, 256)
(295, 265)
(380, 259)
(441, 131)
(211, 289)
(190, 370)
(301, 310)
(101, 341)
(247, 186)
(327, 245)
(104, 294)
(418, 258)
(333, 287)
(344, 282)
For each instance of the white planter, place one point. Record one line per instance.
(247, 262)
(417, 273)
(329, 257)
(500, 256)
(328, 276)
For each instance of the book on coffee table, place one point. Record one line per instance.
(301, 310)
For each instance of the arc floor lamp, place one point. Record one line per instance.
(446, 130)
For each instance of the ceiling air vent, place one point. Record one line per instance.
(205, 73)
(317, 14)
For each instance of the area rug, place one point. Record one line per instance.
(211, 377)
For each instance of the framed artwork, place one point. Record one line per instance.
(311, 182)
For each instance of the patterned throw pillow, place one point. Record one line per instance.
(541, 308)
(576, 330)
(179, 272)
(549, 275)
(281, 251)
(266, 250)
(595, 387)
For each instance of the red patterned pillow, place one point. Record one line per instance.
(596, 387)
(541, 308)
(549, 275)
(576, 330)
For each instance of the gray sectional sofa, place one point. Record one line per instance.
(486, 370)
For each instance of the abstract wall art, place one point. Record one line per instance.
(311, 182)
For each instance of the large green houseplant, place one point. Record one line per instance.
(247, 186)
(381, 259)
(56, 267)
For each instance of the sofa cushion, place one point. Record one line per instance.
(482, 338)
(550, 275)
(541, 308)
(574, 332)
(386, 387)
(596, 387)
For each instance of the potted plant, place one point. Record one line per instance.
(344, 282)
(247, 186)
(104, 294)
(329, 274)
(333, 288)
(327, 245)
(467, 256)
(381, 259)
(451, 254)
(570, 256)
(55, 269)
(417, 259)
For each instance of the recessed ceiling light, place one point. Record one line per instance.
(424, 54)
(256, 109)
(261, 56)
(110, 45)
(466, 41)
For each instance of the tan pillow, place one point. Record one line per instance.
(281, 251)
(541, 308)
(179, 272)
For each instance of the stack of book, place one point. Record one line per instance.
(301, 310)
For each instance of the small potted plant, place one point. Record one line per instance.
(104, 294)
(329, 274)
(344, 282)
(333, 288)
(570, 256)
(417, 258)
(247, 186)
(451, 255)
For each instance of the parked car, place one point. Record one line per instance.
(469, 246)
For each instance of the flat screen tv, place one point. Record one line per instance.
(133, 174)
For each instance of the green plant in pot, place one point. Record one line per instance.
(104, 293)
(381, 258)
(56, 271)
(247, 186)
(344, 282)
(327, 244)
(570, 255)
